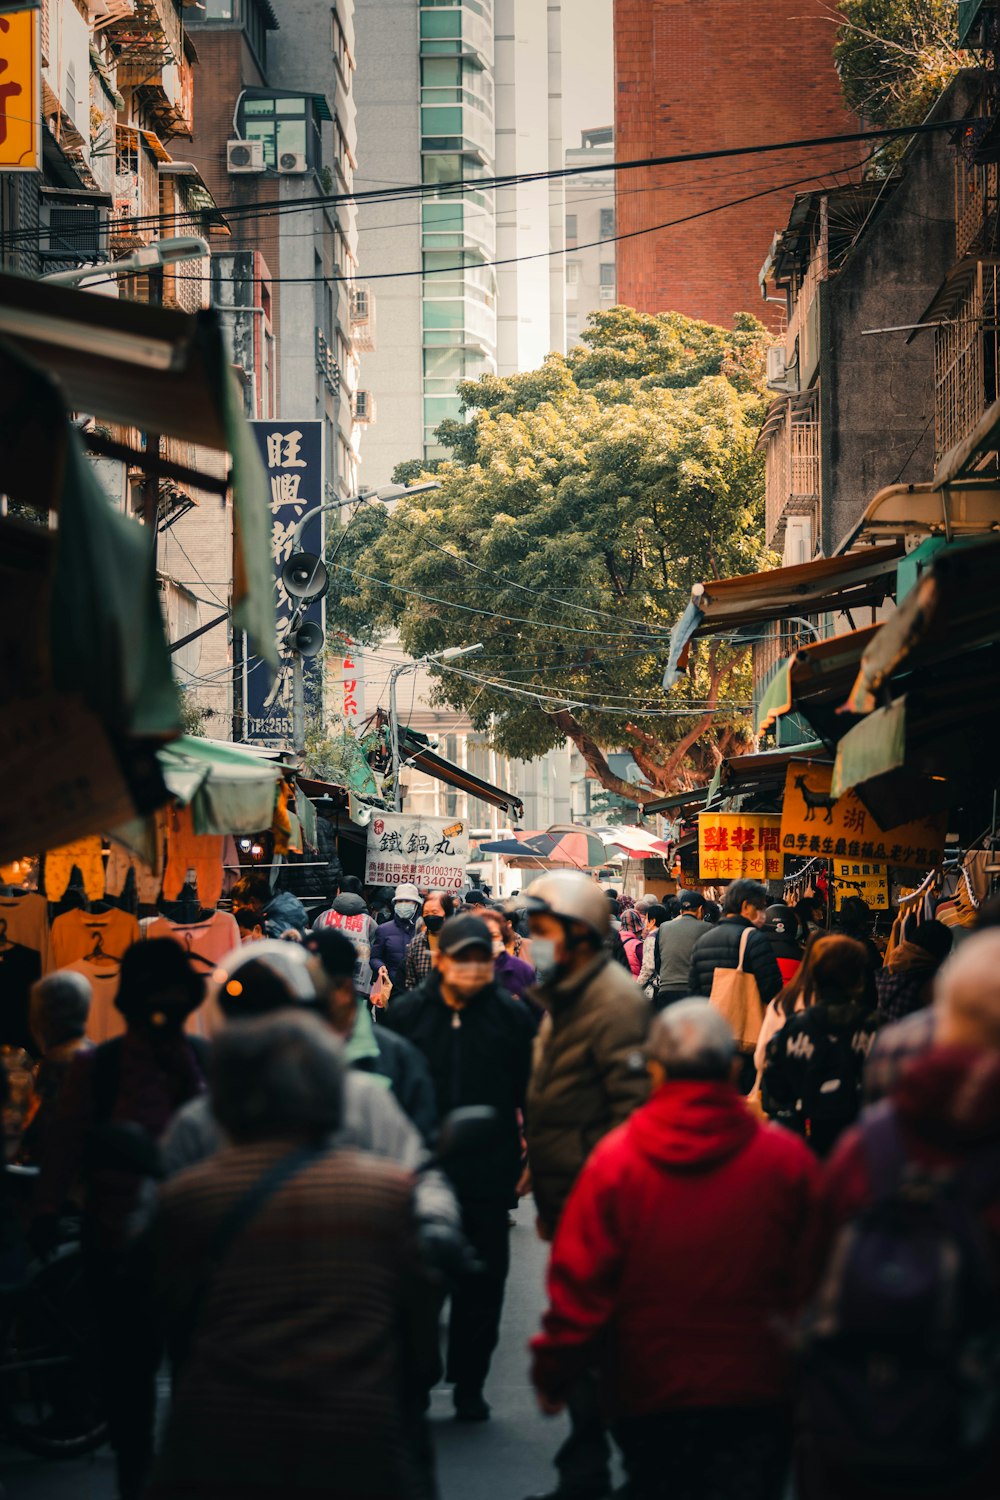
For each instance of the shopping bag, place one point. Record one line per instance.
(736, 997)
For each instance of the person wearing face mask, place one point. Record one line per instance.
(477, 1042)
(516, 975)
(588, 1077)
(140, 1080)
(438, 907)
(394, 937)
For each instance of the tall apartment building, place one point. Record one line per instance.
(452, 93)
(591, 279)
(720, 73)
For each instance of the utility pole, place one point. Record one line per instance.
(449, 654)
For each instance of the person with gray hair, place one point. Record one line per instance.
(291, 1269)
(669, 1271)
(58, 1008)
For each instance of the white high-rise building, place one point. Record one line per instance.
(455, 93)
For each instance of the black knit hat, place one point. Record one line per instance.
(158, 983)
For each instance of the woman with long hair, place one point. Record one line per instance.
(814, 1063)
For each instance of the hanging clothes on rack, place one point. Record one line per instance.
(102, 935)
(102, 973)
(205, 942)
(190, 853)
(86, 855)
(24, 957)
(120, 861)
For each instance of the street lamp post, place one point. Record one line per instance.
(151, 257)
(449, 654)
(390, 493)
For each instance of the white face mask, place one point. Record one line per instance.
(543, 956)
(497, 947)
(406, 910)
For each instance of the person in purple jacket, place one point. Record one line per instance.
(512, 974)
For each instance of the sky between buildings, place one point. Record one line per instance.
(588, 67)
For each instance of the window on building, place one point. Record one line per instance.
(341, 51)
(607, 273)
(571, 226)
(572, 273)
(284, 123)
(572, 328)
(607, 222)
(451, 747)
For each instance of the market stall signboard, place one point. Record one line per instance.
(857, 877)
(732, 846)
(427, 852)
(815, 823)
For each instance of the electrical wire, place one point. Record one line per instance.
(270, 207)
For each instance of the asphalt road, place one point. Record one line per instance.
(507, 1458)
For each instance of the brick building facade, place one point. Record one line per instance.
(719, 73)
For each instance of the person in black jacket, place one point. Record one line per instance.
(781, 930)
(477, 1041)
(368, 1048)
(743, 909)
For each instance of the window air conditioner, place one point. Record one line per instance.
(293, 162)
(779, 376)
(244, 156)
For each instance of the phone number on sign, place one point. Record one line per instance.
(437, 877)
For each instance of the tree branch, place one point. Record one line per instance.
(596, 759)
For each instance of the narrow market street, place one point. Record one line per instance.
(504, 1459)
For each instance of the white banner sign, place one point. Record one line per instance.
(428, 852)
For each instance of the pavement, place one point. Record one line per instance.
(507, 1458)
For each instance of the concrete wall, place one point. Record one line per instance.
(877, 391)
(693, 77)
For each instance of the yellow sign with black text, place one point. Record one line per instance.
(858, 877)
(732, 846)
(20, 92)
(814, 823)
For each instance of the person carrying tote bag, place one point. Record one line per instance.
(736, 997)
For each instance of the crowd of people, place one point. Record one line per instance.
(765, 1158)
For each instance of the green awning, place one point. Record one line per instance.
(696, 797)
(814, 683)
(229, 789)
(875, 746)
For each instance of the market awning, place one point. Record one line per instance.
(951, 610)
(677, 801)
(414, 748)
(637, 842)
(164, 372)
(838, 584)
(959, 508)
(230, 789)
(814, 683)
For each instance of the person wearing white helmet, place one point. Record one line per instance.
(588, 1077)
(392, 939)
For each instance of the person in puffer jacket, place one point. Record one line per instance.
(743, 906)
(670, 1272)
(349, 914)
(781, 930)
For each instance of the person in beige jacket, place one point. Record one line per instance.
(588, 1076)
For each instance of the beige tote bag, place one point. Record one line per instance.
(736, 997)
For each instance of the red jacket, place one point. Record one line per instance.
(948, 1101)
(673, 1265)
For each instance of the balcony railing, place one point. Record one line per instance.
(792, 474)
(967, 360)
(326, 365)
(153, 35)
(977, 202)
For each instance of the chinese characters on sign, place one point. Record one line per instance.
(735, 845)
(347, 676)
(861, 878)
(813, 822)
(428, 852)
(20, 92)
(292, 453)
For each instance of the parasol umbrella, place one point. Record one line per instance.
(566, 844)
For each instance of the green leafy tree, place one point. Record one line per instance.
(582, 502)
(896, 56)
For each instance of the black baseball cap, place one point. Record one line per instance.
(690, 900)
(463, 932)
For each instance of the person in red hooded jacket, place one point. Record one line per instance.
(670, 1272)
(947, 1103)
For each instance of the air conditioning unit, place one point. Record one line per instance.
(293, 162)
(780, 375)
(364, 408)
(244, 156)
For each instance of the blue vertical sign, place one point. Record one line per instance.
(292, 453)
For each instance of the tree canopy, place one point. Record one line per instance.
(582, 501)
(896, 56)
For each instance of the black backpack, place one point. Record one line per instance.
(901, 1348)
(828, 1078)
